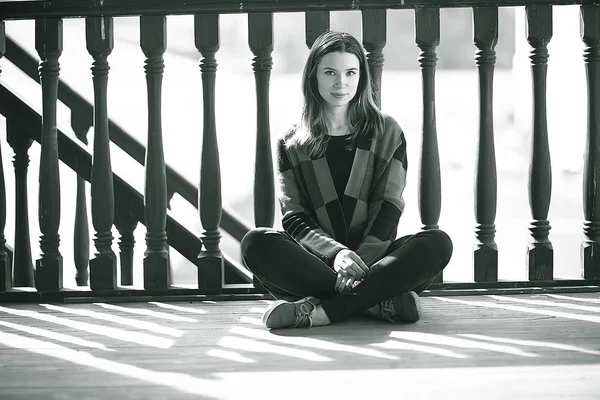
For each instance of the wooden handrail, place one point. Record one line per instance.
(83, 115)
(86, 8)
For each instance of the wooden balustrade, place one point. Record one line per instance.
(5, 267)
(485, 22)
(540, 252)
(590, 248)
(210, 260)
(210, 263)
(49, 268)
(153, 40)
(23, 272)
(103, 268)
(427, 34)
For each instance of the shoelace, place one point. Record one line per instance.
(387, 310)
(304, 315)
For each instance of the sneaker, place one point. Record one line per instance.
(286, 314)
(405, 307)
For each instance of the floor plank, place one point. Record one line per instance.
(539, 346)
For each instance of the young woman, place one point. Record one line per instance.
(342, 171)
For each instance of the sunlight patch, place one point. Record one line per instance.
(261, 347)
(583, 299)
(546, 303)
(60, 337)
(183, 382)
(487, 304)
(433, 338)
(252, 321)
(148, 326)
(115, 333)
(309, 342)
(146, 312)
(178, 308)
(230, 355)
(396, 345)
(533, 343)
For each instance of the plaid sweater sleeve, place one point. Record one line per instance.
(386, 203)
(297, 218)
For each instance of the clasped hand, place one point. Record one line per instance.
(350, 268)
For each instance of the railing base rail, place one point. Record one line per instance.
(246, 292)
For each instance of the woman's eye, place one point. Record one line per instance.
(351, 73)
(328, 72)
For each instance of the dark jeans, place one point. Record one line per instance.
(291, 272)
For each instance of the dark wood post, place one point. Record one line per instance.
(316, 22)
(5, 267)
(485, 250)
(374, 25)
(103, 268)
(540, 254)
(81, 232)
(153, 32)
(260, 39)
(23, 273)
(427, 35)
(126, 224)
(590, 248)
(49, 268)
(210, 260)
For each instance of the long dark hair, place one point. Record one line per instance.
(364, 117)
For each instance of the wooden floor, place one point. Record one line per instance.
(477, 347)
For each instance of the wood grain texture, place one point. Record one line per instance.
(476, 347)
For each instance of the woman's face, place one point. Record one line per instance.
(338, 75)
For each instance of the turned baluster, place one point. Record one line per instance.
(260, 39)
(590, 248)
(316, 22)
(540, 254)
(23, 274)
(374, 37)
(153, 39)
(126, 223)
(427, 36)
(49, 268)
(103, 267)
(5, 266)
(485, 250)
(210, 259)
(81, 233)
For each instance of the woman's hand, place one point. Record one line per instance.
(349, 265)
(342, 283)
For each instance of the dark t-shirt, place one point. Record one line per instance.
(340, 161)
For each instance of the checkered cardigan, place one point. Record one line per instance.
(365, 219)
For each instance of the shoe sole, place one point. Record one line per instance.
(411, 302)
(267, 314)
